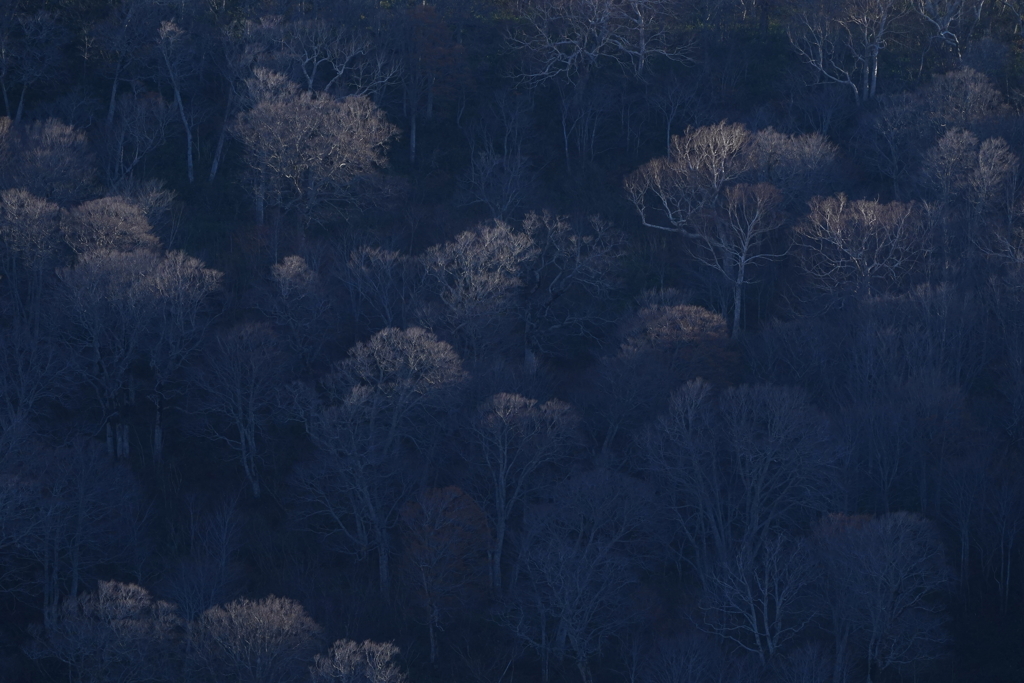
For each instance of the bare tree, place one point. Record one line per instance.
(885, 577)
(681, 193)
(1003, 527)
(695, 194)
(568, 39)
(500, 174)
(894, 135)
(903, 126)
(742, 240)
(577, 566)
(1016, 9)
(842, 42)
(995, 182)
(30, 244)
(737, 471)
(501, 182)
(18, 526)
(307, 151)
(33, 371)
(383, 286)
(753, 599)
(809, 663)
(800, 166)
(79, 507)
(239, 382)
(112, 224)
(571, 274)
(351, 492)
(673, 191)
(139, 128)
(947, 166)
(973, 186)
(432, 65)
(182, 286)
(664, 344)
(177, 57)
(690, 658)
(241, 44)
(110, 306)
(860, 247)
(38, 43)
(477, 278)
(378, 411)
(951, 22)
(964, 98)
(332, 57)
(300, 306)
(365, 662)
(50, 159)
(446, 539)
(124, 37)
(963, 506)
(517, 439)
(253, 641)
(212, 571)
(677, 99)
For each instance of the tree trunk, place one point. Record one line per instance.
(261, 200)
(50, 585)
(433, 634)
(383, 563)
(158, 433)
(111, 450)
(583, 666)
(499, 543)
(248, 447)
(21, 105)
(737, 311)
(7, 101)
(430, 99)
(112, 106)
(839, 662)
(544, 656)
(873, 62)
(123, 448)
(412, 136)
(565, 137)
(965, 560)
(188, 133)
(219, 149)
(871, 658)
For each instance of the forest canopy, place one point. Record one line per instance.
(580, 341)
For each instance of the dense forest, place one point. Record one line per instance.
(501, 341)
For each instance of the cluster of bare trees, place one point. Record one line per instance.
(120, 632)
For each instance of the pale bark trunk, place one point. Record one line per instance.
(219, 149)
(21, 105)
(188, 133)
(7, 101)
(112, 106)
(158, 433)
(499, 544)
(111, 449)
(433, 635)
(383, 563)
(412, 137)
(737, 311)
